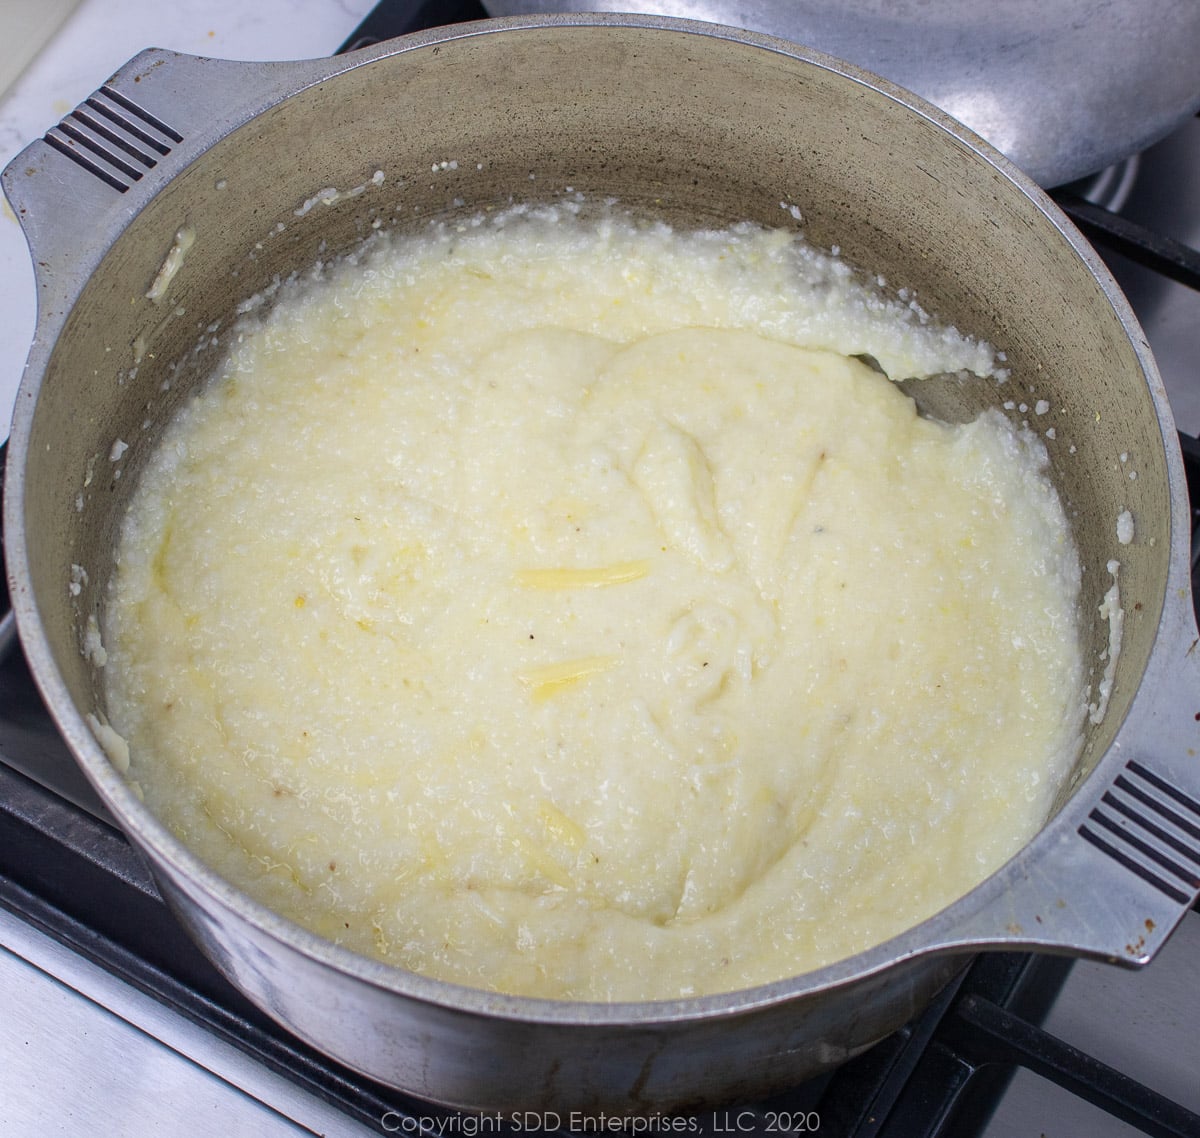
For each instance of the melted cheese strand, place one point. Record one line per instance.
(619, 574)
(550, 679)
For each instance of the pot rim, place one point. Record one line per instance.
(946, 931)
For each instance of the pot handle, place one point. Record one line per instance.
(75, 189)
(1123, 869)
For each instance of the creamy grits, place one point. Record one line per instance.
(553, 606)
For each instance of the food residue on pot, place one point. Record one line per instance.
(1125, 527)
(113, 744)
(185, 238)
(1112, 612)
(331, 195)
(93, 645)
(564, 584)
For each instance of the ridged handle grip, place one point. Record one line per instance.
(1150, 828)
(114, 138)
(75, 189)
(1115, 880)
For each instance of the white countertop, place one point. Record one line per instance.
(97, 38)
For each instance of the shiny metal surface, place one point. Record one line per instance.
(595, 103)
(84, 1053)
(1062, 89)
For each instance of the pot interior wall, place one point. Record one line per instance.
(696, 129)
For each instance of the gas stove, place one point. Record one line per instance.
(114, 1021)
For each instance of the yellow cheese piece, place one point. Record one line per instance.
(619, 574)
(550, 679)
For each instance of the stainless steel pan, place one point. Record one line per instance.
(700, 125)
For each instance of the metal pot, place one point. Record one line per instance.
(700, 125)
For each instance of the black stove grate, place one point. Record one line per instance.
(76, 878)
(1109, 230)
(391, 18)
